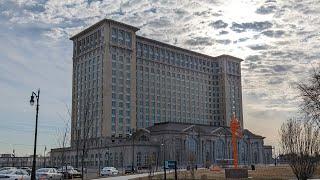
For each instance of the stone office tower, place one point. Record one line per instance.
(122, 81)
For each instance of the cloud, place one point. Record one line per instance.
(259, 47)
(162, 22)
(274, 34)
(266, 9)
(199, 41)
(254, 58)
(223, 32)
(207, 13)
(281, 68)
(223, 41)
(254, 26)
(218, 24)
(275, 80)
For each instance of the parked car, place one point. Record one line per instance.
(129, 170)
(80, 169)
(69, 172)
(7, 168)
(27, 169)
(109, 171)
(48, 173)
(14, 174)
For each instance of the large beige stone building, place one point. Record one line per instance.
(129, 88)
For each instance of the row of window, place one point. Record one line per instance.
(88, 81)
(121, 37)
(89, 41)
(121, 89)
(169, 56)
(168, 67)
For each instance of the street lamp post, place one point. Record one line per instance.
(132, 137)
(44, 156)
(33, 173)
(164, 161)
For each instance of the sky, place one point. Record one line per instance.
(278, 40)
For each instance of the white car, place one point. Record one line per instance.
(7, 168)
(109, 171)
(14, 174)
(48, 173)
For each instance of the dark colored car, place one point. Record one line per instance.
(129, 170)
(69, 172)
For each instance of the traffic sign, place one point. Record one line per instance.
(170, 164)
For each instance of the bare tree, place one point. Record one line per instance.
(192, 163)
(86, 132)
(151, 162)
(63, 137)
(299, 140)
(310, 92)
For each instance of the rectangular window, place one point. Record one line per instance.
(114, 35)
(128, 39)
(121, 37)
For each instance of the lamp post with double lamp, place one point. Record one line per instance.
(33, 172)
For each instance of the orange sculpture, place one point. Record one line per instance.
(236, 132)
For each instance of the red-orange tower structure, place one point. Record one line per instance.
(236, 132)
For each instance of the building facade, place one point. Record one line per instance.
(124, 84)
(122, 81)
(205, 145)
(9, 160)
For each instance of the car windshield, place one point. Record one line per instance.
(43, 170)
(10, 171)
(6, 168)
(68, 168)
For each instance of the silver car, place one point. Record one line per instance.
(48, 173)
(14, 174)
(109, 171)
(7, 168)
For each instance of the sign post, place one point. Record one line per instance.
(172, 165)
(175, 170)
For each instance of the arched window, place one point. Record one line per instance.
(143, 138)
(243, 152)
(220, 149)
(111, 160)
(121, 159)
(145, 159)
(116, 159)
(191, 145)
(106, 157)
(139, 159)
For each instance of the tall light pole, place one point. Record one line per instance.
(132, 137)
(164, 161)
(44, 156)
(33, 173)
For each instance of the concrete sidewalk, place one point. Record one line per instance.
(128, 176)
(137, 175)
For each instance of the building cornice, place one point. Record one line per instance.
(86, 30)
